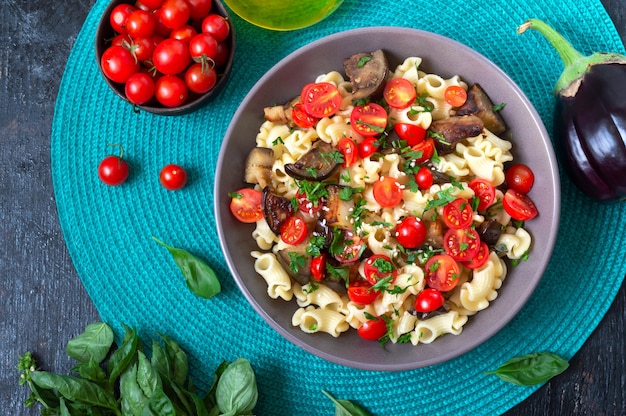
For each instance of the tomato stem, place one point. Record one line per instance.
(121, 156)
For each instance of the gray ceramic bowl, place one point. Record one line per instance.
(442, 56)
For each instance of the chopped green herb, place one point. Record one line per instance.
(499, 107)
(296, 261)
(363, 61)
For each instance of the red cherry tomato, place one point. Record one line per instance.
(139, 88)
(455, 95)
(199, 8)
(118, 64)
(184, 33)
(203, 47)
(484, 191)
(200, 80)
(349, 150)
(399, 93)
(301, 117)
(318, 267)
(352, 247)
(442, 272)
(520, 177)
(411, 133)
(519, 206)
(479, 258)
(411, 232)
(174, 13)
(293, 231)
(426, 148)
(458, 214)
(216, 26)
(152, 4)
(223, 53)
(361, 292)
(171, 91)
(461, 245)
(119, 16)
(378, 267)
(245, 205)
(173, 177)
(113, 170)
(140, 24)
(307, 206)
(387, 192)
(429, 300)
(171, 56)
(368, 147)
(424, 178)
(369, 119)
(321, 99)
(373, 329)
(141, 48)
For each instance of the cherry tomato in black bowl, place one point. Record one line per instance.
(130, 41)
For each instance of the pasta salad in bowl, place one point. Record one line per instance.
(399, 192)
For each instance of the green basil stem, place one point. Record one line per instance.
(201, 279)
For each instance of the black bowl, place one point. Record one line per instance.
(105, 33)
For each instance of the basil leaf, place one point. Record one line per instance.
(159, 359)
(345, 407)
(159, 405)
(531, 369)
(201, 279)
(147, 377)
(91, 371)
(75, 389)
(95, 342)
(210, 400)
(122, 357)
(177, 359)
(133, 400)
(236, 391)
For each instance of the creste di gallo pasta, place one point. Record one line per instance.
(381, 202)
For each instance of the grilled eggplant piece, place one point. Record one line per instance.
(489, 232)
(276, 209)
(258, 167)
(315, 165)
(367, 73)
(434, 233)
(336, 212)
(590, 117)
(449, 131)
(302, 274)
(479, 104)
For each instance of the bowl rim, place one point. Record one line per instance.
(553, 202)
(199, 101)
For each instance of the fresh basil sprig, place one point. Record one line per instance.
(201, 279)
(531, 369)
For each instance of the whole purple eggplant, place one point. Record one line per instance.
(590, 116)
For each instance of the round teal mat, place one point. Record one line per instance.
(133, 280)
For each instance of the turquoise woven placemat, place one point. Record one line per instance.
(132, 280)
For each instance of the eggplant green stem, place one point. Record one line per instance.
(576, 64)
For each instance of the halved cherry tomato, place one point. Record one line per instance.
(519, 206)
(484, 191)
(352, 247)
(442, 272)
(462, 244)
(411, 133)
(318, 267)
(458, 214)
(373, 329)
(411, 232)
(427, 149)
(378, 267)
(369, 119)
(361, 292)
(293, 231)
(424, 178)
(321, 99)
(399, 93)
(520, 177)
(349, 150)
(368, 147)
(455, 95)
(245, 205)
(429, 300)
(479, 258)
(301, 117)
(387, 191)
(306, 205)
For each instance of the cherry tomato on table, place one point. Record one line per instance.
(321, 99)
(458, 214)
(399, 93)
(411, 232)
(173, 177)
(361, 292)
(387, 191)
(373, 329)
(442, 272)
(369, 119)
(113, 170)
(293, 231)
(245, 205)
(378, 267)
(519, 206)
(520, 177)
(429, 300)
(484, 191)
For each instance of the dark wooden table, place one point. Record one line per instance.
(42, 301)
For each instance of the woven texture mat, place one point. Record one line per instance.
(133, 280)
